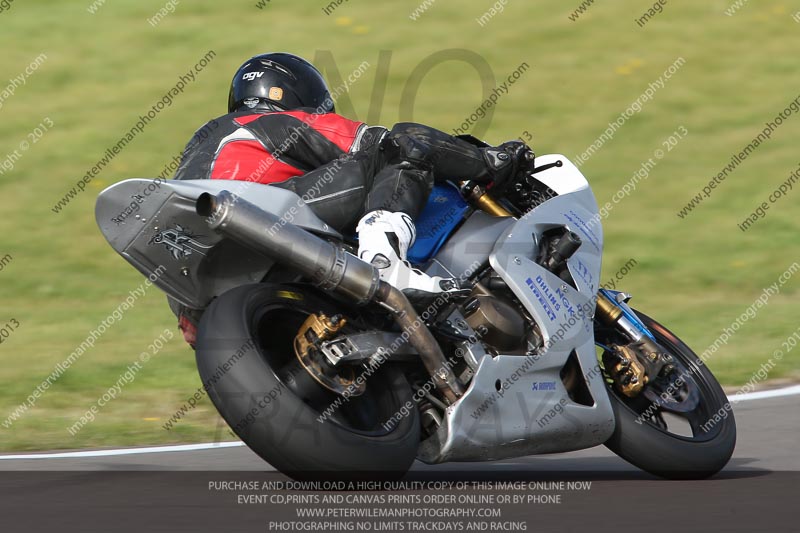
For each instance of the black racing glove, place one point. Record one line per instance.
(505, 162)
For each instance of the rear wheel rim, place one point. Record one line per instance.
(363, 415)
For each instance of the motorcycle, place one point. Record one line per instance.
(327, 372)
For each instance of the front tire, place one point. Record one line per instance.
(246, 359)
(643, 437)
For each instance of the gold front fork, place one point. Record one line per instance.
(483, 201)
(606, 311)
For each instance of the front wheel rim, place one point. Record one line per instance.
(698, 388)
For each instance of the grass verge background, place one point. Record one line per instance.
(104, 70)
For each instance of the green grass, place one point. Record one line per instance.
(104, 70)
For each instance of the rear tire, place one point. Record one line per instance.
(244, 348)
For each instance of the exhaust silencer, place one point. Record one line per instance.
(329, 267)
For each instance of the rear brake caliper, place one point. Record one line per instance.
(317, 329)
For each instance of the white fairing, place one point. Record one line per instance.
(565, 179)
(532, 412)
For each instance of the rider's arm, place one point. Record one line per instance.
(368, 137)
(198, 154)
(309, 140)
(454, 159)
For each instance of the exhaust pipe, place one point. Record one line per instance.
(329, 267)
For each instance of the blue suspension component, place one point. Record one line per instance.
(627, 312)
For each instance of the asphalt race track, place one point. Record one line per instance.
(756, 492)
(767, 441)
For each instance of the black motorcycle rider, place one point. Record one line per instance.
(281, 130)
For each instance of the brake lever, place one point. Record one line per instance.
(542, 168)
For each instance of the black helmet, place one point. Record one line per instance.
(278, 81)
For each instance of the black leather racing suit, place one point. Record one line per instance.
(342, 169)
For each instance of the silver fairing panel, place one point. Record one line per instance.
(532, 412)
(469, 248)
(157, 226)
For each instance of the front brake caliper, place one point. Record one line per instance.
(624, 367)
(634, 365)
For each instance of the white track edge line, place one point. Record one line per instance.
(127, 451)
(775, 393)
